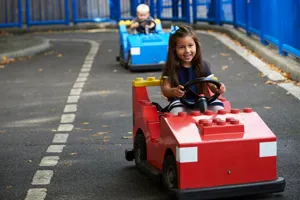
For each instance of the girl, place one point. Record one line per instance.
(184, 63)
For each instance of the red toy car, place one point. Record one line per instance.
(203, 155)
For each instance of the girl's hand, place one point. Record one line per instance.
(222, 89)
(178, 91)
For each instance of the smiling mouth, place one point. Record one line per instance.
(187, 56)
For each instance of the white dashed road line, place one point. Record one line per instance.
(43, 177)
(67, 118)
(36, 194)
(65, 127)
(73, 99)
(55, 148)
(70, 108)
(49, 161)
(60, 138)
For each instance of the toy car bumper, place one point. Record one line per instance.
(138, 67)
(230, 191)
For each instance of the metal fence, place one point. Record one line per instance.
(274, 21)
(11, 13)
(43, 12)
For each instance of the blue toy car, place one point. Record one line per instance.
(143, 51)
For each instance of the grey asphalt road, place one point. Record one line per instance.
(92, 165)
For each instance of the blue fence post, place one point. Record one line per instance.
(133, 5)
(152, 8)
(218, 12)
(28, 12)
(247, 18)
(159, 8)
(194, 11)
(115, 9)
(281, 20)
(20, 14)
(234, 13)
(262, 21)
(175, 8)
(67, 12)
(186, 11)
(74, 11)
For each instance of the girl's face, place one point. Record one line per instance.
(185, 49)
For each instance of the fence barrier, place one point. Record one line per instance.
(275, 22)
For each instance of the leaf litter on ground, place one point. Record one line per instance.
(99, 133)
(286, 75)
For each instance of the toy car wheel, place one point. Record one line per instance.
(122, 61)
(140, 153)
(169, 173)
(129, 62)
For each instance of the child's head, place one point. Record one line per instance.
(142, 12)
(184, 50)
(184, 46)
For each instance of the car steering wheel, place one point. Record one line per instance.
(143, 28)
(198, 103)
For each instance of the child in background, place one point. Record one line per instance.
(143, 20)
(184, 63)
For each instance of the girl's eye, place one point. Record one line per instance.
(191, 45)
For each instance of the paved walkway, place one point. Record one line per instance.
(83, 88)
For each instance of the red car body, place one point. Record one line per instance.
(228, 153)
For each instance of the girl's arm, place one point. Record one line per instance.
(170, 92)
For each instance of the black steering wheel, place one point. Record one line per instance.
(198, 99)
(143, 29)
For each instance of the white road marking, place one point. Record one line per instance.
(70, 108)
(85, 69)
(65, 127)
(55, 148)
(85, 65)
(36, 194)
(257, 63)
(49, 161)
(83, 74)
(75, 91)
(78, 85)
(42, 177)
(93, 52)
(89, 62)
(67, 118)
(73, 99)
(60, 138)
(81, 79)
(90, 57)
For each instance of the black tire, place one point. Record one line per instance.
(140, 150)
(122, 61)
(129, 62)
(169, 173)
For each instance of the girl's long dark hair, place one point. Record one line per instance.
(173, 62)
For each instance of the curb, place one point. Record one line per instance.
(30, 51)
(285, 63)
(59, 28)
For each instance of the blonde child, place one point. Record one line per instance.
(143, 19)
